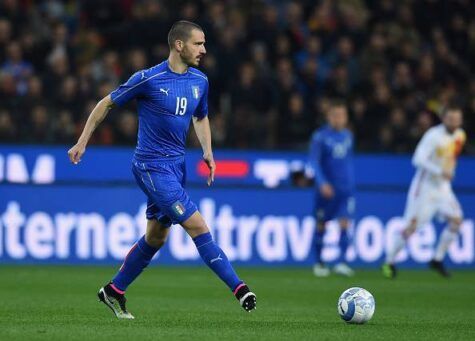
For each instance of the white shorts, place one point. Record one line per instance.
(426, 200)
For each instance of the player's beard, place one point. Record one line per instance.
(450, 128)
(188, 58)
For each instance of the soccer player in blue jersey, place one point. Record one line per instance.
(331, 164)
(169, 96)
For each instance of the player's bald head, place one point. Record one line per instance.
(181, 30)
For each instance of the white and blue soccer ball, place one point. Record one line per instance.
(356, 305)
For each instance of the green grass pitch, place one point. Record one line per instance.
(59, 303)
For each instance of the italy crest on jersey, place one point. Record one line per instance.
(196, 92)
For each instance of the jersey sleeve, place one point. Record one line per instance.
(202, 109)
(460, 139)
(133, 88)
(314, 164)
(422, 155)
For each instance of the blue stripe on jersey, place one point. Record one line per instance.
(166, 102)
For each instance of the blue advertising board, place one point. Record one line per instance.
(254, 226)
(54, 212)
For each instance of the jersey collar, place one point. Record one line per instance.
(175, 73)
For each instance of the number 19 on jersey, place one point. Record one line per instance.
(181, 103)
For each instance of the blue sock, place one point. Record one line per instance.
(136, 260)
(343, 244)
(216, 260)
(319, 245)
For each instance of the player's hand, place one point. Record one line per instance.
(76, 152)
(327, 191)
(447, 175)
(209, 160)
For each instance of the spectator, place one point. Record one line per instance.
(40, 127)
(8, 130)
(64, 128)
(295, 128)
(272, 66)
(398, 124)
(423, 122)
(313, 51)
(5, 36)
(17, 67)
(126, 129)
(218, 127)
(69, 96)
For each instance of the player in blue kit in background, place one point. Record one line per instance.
(331, 164)
(169, 96)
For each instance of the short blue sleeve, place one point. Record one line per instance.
(133, 88)
(202, 109)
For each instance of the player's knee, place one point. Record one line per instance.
(321, 226)
(156, 241)
(197, 229)
(344, 224)
(195, 225)
(156, 237)
(455, 223)
(409, 231)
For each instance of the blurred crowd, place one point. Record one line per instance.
(273, 67)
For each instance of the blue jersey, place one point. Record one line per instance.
(331, 158)
(166, 101)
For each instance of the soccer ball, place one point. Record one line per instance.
(356, 305)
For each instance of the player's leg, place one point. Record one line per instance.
(319, 268)
(217, 261)
(194, 224)
(399, 242)
(157, 230)
(342, 268)
(141, 254)
(449, 234)
(419, 210)
(450, 207)
(142, 251)
(345, 211)
(138, 258)
(326, 210)
(164, 183)
(344, 240)
(447, 237)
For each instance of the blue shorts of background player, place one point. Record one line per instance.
(340, 206)
(163, 182)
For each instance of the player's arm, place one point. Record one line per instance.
(95, 118)
(135, 86)
(315, 163)
(203, 132)
(460, 140)
(422, 155)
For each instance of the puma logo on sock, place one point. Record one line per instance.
(215, 259)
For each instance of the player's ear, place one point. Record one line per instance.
(179, 45)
